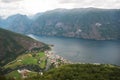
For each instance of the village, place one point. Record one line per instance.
(52, 59)
(55, 59)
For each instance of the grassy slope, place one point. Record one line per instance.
(18, 76)
(13, 44)
(14, 74)
(26, 59)
(76, 72)
(29, 58)
(68, 71)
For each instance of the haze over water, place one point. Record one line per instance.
(85, 51)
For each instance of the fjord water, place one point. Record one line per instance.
(84, 51)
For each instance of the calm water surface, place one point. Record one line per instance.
(87, 51)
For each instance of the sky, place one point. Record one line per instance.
(31, 7)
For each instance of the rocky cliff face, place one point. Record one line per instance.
(89, 23)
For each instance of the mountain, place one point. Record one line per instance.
(90, 23)
(3, 23)
(86, 23)
(18, 23)
(14, 44)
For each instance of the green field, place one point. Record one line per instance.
(27, 59)
(41, 54)
(17, 76)
(14, 74)
(42, 59)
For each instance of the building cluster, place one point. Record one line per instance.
(55, 59)
(24, 72)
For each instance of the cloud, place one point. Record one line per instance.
(30, 7)
(10, 8)
(8, 1)
(74, 1)
(92, 3)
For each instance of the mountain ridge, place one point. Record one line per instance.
(86, 23)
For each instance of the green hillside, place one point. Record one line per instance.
(21, 56)
(79, 72)
(13, 45)
(28, 59)
(34, 62)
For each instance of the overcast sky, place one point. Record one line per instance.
(30, 7)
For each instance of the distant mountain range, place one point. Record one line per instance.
(12, 45)
(86, 23)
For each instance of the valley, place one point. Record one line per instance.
(59, 44)
(35, 58)
(39, 61)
